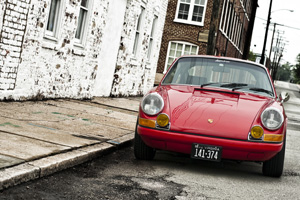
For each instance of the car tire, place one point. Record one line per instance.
(274, 166)
(141, 150)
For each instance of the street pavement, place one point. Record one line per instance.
(43, 137)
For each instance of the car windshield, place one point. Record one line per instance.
(233, 75)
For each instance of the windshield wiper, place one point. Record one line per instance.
(206, 84)
(234, 85)
(262, 90)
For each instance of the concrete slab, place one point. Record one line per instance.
(18, 174)
(92, 109)
(40, 138)
(27, 148)
(52, 164)
(43, 133)
(86, 129)
(6, 161)
(125, 103)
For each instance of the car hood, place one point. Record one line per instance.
(213, 112)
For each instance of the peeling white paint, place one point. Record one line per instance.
(33, 66)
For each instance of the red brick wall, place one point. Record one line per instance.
(174, 31)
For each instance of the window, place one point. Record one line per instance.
(82, 21)
(191, 12)
(138, 31)
(177, 49)
(230, 24)
(53, 18)
(151, 37)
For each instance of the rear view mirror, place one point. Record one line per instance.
(284, 97)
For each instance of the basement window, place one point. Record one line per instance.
(191, 12)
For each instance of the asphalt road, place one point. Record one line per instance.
(171, 176)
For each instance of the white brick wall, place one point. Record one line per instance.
(135, 75)
(32, 66)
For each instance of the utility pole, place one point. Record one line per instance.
(272, 43)
(277, 56)
(262, 60)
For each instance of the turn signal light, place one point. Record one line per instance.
(147, 122)
(273, 137)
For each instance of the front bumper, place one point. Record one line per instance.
(232, 149)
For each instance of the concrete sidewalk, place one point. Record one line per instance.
(40, 138)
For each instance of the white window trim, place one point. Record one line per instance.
(85, 27)
(182, 53)
(245, 9)
(189, 20)
(234, 39)
(139, 29)
(53, 36)
(152, 37)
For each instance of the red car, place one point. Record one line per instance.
(214, 108)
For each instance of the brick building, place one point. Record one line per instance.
(213, 27)
(78, 48)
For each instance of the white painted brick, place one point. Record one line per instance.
(15, 54)
(5, 86)
(8, 18)
(67, 68)
(11, 6)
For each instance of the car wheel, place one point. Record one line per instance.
(274, 166)
(141, 150)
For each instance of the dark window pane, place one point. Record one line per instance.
(84, 3)
(183, 12)
(197, 14)
(80, 24)
(52, 15)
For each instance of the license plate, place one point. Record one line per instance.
(206, 152)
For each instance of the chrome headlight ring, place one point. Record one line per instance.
(272, 118)
(152, 104)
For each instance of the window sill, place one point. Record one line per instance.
(134, 61)
(188, 22)
(79, 50)
(50, 42)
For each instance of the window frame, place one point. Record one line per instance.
(234, 33)
(182, 53)
(190, 13)
(138, 30)
(84, 23)
(151, 36)
(53, 34)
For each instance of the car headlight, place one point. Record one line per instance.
(152, 104)
(272, 118)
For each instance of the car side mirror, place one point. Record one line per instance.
(284, 97)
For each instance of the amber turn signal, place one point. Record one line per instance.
(273, 137)
(147, 122)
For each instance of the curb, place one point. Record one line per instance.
(48, 165)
